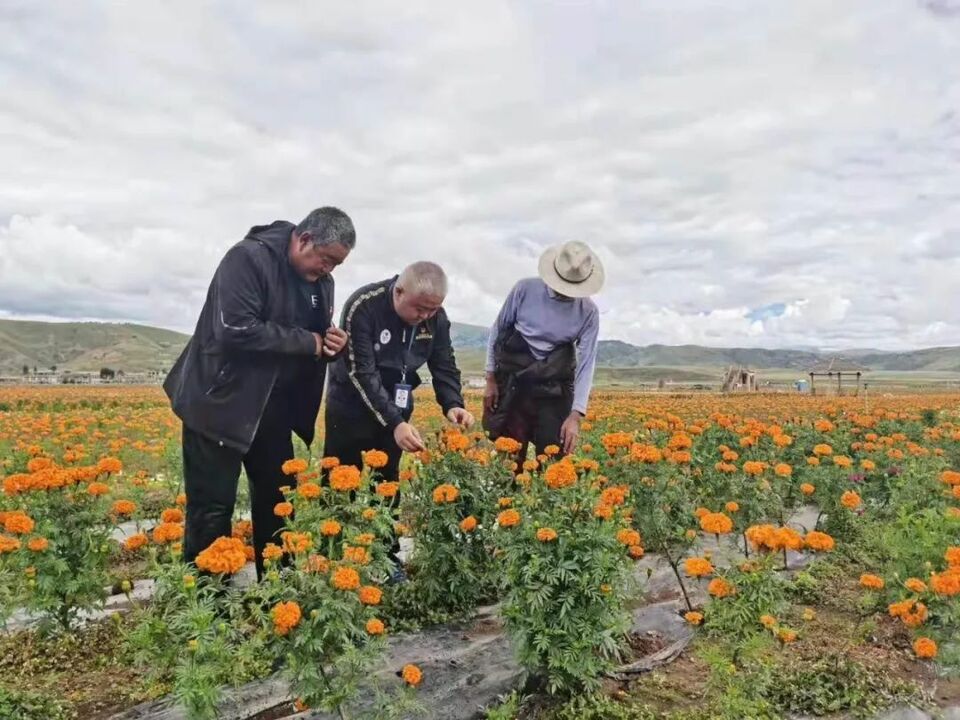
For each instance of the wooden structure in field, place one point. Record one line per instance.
(739, 379)
(837, 369)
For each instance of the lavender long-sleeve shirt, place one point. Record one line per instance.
(545, 321)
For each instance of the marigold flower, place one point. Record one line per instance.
(456, 441)
(813, 461)
(694, 618)
(38, 544)
(109, 466)
(720, 588)
(357, 555)
(818, 541)
(783, 470)
(916, 616)
(871, 582)
(915, 585)
(135, 542)
(697, 567)
(286, 616)
(808, 489)
(507, 445)
(345, 578)
(167, 533)
(505, 502)
(8, 544)
(225, 555)
(614, 496)
(97, 488)
(283, 509)
(925, 648)
(752, 467)
(294, 466)
(649, 454)
(375, 459)
(272, 551)
(947, 583)
(716, 523)
(370, 595)
(124, 507)
(375, 627)
(551, 450)
(603, 511)
(530, 465)
(330, 528)
(636, 551)
(181, 499)
(368, 514)
(560, 475)
(445, 493)
(18, 523)
(546, 534)
(309, 490)
(366, 538)
(732, 507)
(768, 621)
(388, 489)
(786, 636)
(952, 556)
(468, 524)
(822, 450)
(411, 675)
(329, 463)
(850, 500)
(296, 543)
(628, 537)
(318, 564)
(950, 477)
(508, 518)
(171, 515)
(345, 478)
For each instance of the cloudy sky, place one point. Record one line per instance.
(759, 172)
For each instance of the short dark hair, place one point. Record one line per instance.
(328, 225)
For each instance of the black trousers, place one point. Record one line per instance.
(347, 438)
(211, 473)
(537, 420)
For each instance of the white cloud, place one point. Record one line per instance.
(720, 157)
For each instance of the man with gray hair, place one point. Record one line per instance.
(394, 327)
(254, 370)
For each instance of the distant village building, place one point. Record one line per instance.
(739, 379)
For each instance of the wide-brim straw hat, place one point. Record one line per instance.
(572, 269)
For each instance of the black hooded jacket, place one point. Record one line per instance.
(247, 339)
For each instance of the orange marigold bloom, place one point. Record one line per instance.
(375, 627)
(530, 465)
(329, 463)
(505, 502)
(411, 675)
(732, 507)
(97, 488)
(18, 523)
(468, 524)
(294, 466)
(135, 542)
(850, 500)
(946, 584)
(603, 511)
(375, 459)
(171, 515)
(318, 564)
(697, 567)
(508, 518)
(716, 523)
(8, 544)
(786, 636)
(388, 489)
(370, 595)
(915, 585)
(768, 621)
(546, 534)
(286, 616)
(783, 470)
(731, 456)
(366, 538)
(822, 450)
(38, 544)
(752, 467)
(296, 543)
(357, 555)
(167, 533)
(636, 551)
(720, 588)
(952, 556)
(818, 541)
(225, 555)
(560, 475)
(330, 528)
(808, 489)
(345, 578)
(445, 493)
(124, 507)
(649, 454)
(283, 509)
(368, 514)
(694, 618)
(915, 617)
(551, 450)
(614, 495)
(345, 478)
(925, 648)
(507, 445)
(109, 466)
(628, 537)
(272, 551)
(309, 490)
(871, 582)
(181, 499)
(842, 461)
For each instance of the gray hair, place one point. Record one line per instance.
(424, 278)
(328, 225)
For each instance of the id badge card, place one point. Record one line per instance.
(401, 396)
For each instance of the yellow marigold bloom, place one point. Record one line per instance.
(560, 475)
(375, 459)
(308, 490)
(286, 616)
(294, 466)
(167, 533)
(124, 507)
(468, 524)
(225, 555)
(915, 585)
(694, 618)
(782, 440)
(925, 648)
(345, 478)
(508, 518)
(698, 567)
(388, 489)
(411, 675)
(272, 551)
(628, 537)
(345, 578)
(615, 496)
(768, 621)
(808, 489)
(38, 544)
(375, 627)
(370, 595)
(283, 509)
(546, 534)
(507, 445)
(850, 500)
(871, 582)
(818, 541)
(716, 523)
(135, 542)
(720, 588)
(330, 528)
(783, 470)
(445, 493)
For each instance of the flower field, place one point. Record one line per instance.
(804, 554)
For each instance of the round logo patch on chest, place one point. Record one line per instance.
(385, 337)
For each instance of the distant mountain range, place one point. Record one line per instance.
(139, 348)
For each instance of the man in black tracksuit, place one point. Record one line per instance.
(254, 370)
(394, 327)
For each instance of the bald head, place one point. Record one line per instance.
(420, 291)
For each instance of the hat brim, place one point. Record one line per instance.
(548, 273)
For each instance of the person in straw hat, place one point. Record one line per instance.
(542, 352)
